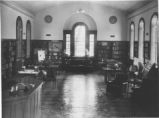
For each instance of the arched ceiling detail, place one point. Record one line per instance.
(80, 17)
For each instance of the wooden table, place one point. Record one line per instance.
(109, 70)
(28, 71)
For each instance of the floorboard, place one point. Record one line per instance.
(83, 96)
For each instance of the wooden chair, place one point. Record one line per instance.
(146, 96)
(115, 87)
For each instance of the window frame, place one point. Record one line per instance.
(139, 50)
(95, 40)
(133, 45)
(73, 36)
(28, 38)
(71, 32)
(154, 14)
(19, 36)
(65, 32)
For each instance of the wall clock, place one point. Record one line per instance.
(48, 19)
(113, 19)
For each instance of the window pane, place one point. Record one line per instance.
(68, 44)
(68, 36)
(91, 45)
(80, 33)
(132, 39)
(141, 39)
(154, 39)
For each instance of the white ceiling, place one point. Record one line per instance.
(35, 6)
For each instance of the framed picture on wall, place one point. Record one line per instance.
(55, 46)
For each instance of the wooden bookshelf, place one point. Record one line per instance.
(23, 49)
(55, 52)
(8, 58)
(136, 47)
(120, 50)
(117, 50)
(146, 50)
(104, 50)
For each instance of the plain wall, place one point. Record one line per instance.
(9, 17)
(99, 13)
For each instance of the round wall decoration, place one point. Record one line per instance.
(48, 19)
(113, 19)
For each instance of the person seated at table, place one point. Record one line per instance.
(133, 70)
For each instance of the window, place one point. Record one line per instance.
(136, 46)
(91, 45)
(141, 38)
(80, 41)
(153, 37)
(68, 44)
(132, 39)
(146, 49)
(28, 38)
(19, 32)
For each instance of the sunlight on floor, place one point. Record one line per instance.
(80, 95)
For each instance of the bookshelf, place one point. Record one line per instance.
(120, 50)
(136, 49)
(8, 58)
(55, 52)
(104, 50)
(23, 49)
(117, 50)
(146, 50)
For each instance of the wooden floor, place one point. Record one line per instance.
(84, 96)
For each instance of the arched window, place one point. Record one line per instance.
(132, 39)
(80, 41)
(19, 32)
(141, 38)
(153, 37)
(136, 46)
(91, 44)
(28, 38)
